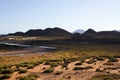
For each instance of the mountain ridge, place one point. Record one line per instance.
(59, 32)
(49, 32)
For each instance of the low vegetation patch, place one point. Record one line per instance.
(113, 59)
(83, 68)
(99, 70)
(79, 63)
(54, 64)
(107, 77)
(58, 72)
(30, 67)
(50, 70)
(91, 61)
(100, 58)
(5, 76)
(22, 71)
(7, 71)
(108, 63)
(29, 77)
(112, 68)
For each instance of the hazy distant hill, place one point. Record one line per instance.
(81, 31)
(50, 32)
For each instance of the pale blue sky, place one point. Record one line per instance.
(22, 15)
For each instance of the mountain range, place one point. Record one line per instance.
(48, 32)
(58, 32)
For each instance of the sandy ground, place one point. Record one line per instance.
(69, 73)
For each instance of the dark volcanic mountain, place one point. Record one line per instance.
(90, 32)
(49, 32)
(103, 34)
(108, 34)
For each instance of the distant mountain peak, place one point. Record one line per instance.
(90, 31)
(80, 31)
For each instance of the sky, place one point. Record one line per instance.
(22, 15)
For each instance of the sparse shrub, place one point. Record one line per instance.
(54, 64)
(65, 64)
(22, 71)
(47, 63)
(5, 76)
(112, 68)
(69, 77)
(30, 67)
(54, 60)
(108, 63)
(98, 70)
(112, 59)
(7, 71)
(50, 70)
(43, 68)
(36, 64)
(58, 72)
(100, 58)
(73, 59)
(28, 77)
(79, 63)
(91, 61)
(7, 66)
(40, 62)
(107, 77)
(17, 65)
(25, 64)
(116, 56)
(83, 68)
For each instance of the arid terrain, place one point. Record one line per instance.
(78, 57)
(76, 62)
(76, 70)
